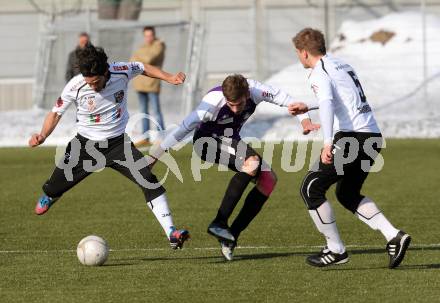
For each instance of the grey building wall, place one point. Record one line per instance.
(19, 44)
(231, 41)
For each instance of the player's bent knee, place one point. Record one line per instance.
(251, 165)
(349, 199)
(312, 194)
(266, 182)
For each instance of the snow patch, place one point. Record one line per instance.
(391, 74)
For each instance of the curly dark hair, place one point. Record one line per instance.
(92, 61)
(234, 87)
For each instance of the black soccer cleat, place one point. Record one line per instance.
(326, 258)
(220, 231)
(397, 247)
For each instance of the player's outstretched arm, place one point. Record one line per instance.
(264, 92)
(155, 72)
(203, 113)
(188, 125)
(49, 124)
(308, 126)
(297, 108)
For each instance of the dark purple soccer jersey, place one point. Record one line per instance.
(227, 123)
(213, 118)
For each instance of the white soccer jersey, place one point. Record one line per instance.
(100, 115)
(342, 102)
(213, 117)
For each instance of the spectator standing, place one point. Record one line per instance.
(72, 68)
(152, 52)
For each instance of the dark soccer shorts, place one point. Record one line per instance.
(225, 151)
(360, 151)
(60, 181)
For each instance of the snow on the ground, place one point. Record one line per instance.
(391, 75)
(16, 127)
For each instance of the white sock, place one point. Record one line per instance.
(160, 209)
(325, 222)
(369, 213)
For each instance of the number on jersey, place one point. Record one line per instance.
(358, 85)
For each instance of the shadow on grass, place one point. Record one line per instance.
(381, 251)
(351, 251)
(418, 266)
(120, 264)
(218, 259)
(401, 267)
(343, 268)
(153, 259)
(245, 257)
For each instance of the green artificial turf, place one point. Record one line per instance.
(38, 260)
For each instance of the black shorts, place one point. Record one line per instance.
(86, 160)
(360, 151)
(225, 151)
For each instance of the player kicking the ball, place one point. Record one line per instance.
(100, 96)
(217, 122)
(352, 141)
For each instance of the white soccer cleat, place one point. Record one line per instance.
(228, 249)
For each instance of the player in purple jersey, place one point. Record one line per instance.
(217, 122)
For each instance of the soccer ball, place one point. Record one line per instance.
(92, 251)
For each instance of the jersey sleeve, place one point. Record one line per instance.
(263, 92)
(131, 69)
(65, 100)
(322, 87)
(203, 113)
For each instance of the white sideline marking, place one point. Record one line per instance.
(208, 248)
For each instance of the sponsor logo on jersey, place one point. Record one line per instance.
(342, 66)
(119, 96)
(59, 102)
(90, 102)
(266, 94)
(226, 121)
(364, 109)
(120, 67)
(77, 85)
(134, 67)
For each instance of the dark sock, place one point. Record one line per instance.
(252, 206)
(235, 189)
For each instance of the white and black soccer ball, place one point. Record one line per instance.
(92, 251)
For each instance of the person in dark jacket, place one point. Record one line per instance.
(72, 68)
